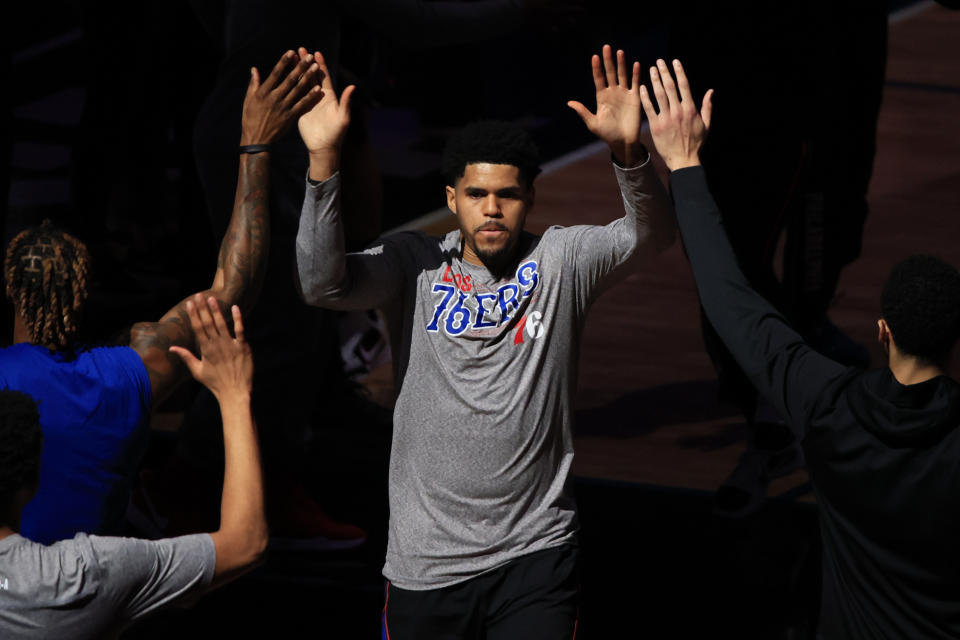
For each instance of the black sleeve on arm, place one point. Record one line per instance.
(782, 367)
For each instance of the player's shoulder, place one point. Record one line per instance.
(416, 244)
(118, 368)
(69, 561)
(555, 232)
(26, 352)
(558, 238)
(110, 357)
(24, 349)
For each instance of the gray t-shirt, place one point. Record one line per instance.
(92, 586)
(486, 371)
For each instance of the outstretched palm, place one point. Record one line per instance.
(323, 127)
(618, 117)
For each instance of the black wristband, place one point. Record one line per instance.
(254, 148)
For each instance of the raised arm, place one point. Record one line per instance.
(269, 110)
(648, 227)
(784, 369)
(327, 276)
(226, 368)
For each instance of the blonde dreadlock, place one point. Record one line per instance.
(46, 271)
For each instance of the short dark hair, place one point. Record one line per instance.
(494, 142)
(21, 442)
(921, 304)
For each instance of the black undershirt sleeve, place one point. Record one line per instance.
(783, 368)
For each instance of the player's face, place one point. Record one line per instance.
(491, 203)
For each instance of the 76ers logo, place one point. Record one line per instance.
(461, 308)
(532, 325)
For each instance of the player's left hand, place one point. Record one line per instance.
(225, 365)
(618, 117)
(324, 126)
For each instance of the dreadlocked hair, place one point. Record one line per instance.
(21, 443)
(46, 271)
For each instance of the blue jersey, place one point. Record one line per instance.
(94, 411)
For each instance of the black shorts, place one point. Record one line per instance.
(533, 597)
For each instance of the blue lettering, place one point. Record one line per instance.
(528, 277)
(458, 319)
(480, 323)
(506, 302)
(435, 323)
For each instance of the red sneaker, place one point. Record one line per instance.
(297, 522)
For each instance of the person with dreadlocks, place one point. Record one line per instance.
(94, 402)
(93, 586)
(46, 273)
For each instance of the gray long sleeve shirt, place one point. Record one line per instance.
(486, 371)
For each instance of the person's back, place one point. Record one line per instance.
(884, 461)
(93, 406)
(93, 586)
(882, 447)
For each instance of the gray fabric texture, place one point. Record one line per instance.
(94, 587)
(485, 370)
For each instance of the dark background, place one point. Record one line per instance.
(97, 135)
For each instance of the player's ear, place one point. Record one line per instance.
(452, 199)
(883, 334)
(531, 197)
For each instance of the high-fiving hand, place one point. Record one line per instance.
(225, 365)
(323, 127)
(679, 130)
(618, 118)
(270, 107)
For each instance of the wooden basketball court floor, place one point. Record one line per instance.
(646, 403)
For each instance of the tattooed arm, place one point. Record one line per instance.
(269, 109)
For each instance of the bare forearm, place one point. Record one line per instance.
(323, 164)
(241, 507)
(243, 535)
(243, 252)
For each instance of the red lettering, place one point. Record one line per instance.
(518, 339)
(462, 281)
